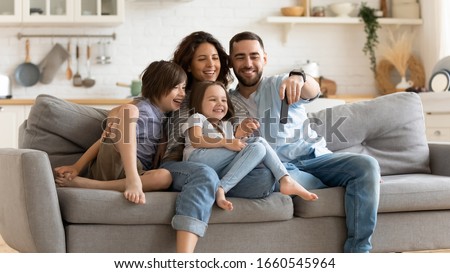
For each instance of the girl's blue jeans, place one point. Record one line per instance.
(233, 166)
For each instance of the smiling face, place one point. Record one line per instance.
(173, 100)
(215, 102)
(248, 59)
(205, 65)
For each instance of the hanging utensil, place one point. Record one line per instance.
(88, 81)
(77, 80)
(27, 74)
(69, 72)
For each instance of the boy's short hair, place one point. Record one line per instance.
(159, 78)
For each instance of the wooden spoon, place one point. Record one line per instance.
(69, 72)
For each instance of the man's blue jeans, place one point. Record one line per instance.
(360, 175)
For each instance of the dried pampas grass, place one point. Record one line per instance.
(398, 50)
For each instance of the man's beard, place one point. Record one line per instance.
(249, 82)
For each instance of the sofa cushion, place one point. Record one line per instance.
(62, 129)
(81, 206)
(390, 128)
(398, 193)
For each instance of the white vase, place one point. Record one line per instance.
(404, 84)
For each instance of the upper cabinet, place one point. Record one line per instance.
(99, 11)
(67, 12)
(10, 11)
(47, 11)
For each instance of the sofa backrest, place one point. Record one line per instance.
(390, 128)
(62, 129)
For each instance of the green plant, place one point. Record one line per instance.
(371, 27)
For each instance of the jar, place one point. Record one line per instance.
(318, 11)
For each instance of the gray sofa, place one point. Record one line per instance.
(414, 211)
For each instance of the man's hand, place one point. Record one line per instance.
(246, 128)
(292, 88)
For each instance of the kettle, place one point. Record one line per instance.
(311, 68)
(5, 87)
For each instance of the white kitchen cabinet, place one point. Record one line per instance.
(99, 11)
(11, 116)
(47, 11)
(64, 12)
(10, 11)
(436, 107)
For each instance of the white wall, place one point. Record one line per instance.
(153, 28)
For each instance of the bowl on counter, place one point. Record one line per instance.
(343, 9)
(292, 11)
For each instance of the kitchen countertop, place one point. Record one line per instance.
(115, 101)
(90, 101)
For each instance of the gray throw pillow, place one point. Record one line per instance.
(390, 128)
(62, 129)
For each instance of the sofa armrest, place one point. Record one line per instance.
(439, 163)
(30, 217)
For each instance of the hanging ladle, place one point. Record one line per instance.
(88, 81)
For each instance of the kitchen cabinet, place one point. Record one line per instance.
(436, 107)
(65, 12)
(10, 119)
(99, 11)
(47, 11)
(10, 11)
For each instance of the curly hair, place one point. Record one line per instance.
(184, 53)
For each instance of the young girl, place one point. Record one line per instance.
(210, 140)
(122, 159)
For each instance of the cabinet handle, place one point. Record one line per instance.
(437, 133)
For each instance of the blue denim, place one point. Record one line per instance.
(233, 166)
(360, 175)
(197, 184)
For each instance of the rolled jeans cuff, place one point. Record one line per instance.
(186, 223)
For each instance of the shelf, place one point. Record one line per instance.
(338, 20)
(289, 21)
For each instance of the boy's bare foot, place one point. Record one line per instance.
(221, 201)
(133, 192)
(76, 182)
(289, 186)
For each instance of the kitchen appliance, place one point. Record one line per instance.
(311, 68)
(5, 87)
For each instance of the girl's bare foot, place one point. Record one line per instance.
(289, 186)
(221, 201)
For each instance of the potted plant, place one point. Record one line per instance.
(371, 27)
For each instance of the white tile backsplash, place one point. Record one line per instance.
(153, 29)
